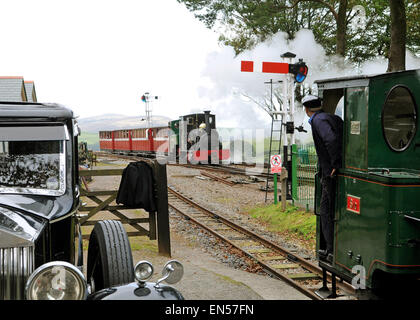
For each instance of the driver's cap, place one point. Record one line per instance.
(202, 126)
(311, 102)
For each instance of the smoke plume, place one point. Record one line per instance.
(228, 85)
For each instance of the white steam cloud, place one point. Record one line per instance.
(227, 82)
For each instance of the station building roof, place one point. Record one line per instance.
(12, 89)
(30, 91)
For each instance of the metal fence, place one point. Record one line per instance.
(304, 166)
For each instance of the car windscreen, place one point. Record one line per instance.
(32, 166)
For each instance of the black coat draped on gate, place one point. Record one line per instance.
(136, 187)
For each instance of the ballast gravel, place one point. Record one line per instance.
(214, 270)
(229, 201)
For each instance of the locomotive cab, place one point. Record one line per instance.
(377, 212)
(195, 138)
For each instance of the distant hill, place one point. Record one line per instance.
(92, 125)
(117, 121)
(92, 140)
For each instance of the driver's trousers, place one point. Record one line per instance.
(327, 210)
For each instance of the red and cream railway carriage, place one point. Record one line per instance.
(198, 127)
(135, 141)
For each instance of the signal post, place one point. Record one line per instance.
(293, 72)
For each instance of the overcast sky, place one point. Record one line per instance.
(100, 56)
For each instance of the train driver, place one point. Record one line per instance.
(202, 128)
(327, 132)
(201, 131)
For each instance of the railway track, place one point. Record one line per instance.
(273, 259)
(239, 169)
(231, 169)
(213, 177)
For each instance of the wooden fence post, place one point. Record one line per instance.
(158, 221)
(162, 215)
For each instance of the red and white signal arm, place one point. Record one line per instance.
(265, 67)
(275, 163)
(299, 69)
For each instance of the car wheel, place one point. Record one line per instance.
(110, 261)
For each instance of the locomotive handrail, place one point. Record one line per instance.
(411, 218)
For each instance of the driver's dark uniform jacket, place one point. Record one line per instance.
(327, 132)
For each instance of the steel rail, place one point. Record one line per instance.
(305, 264)
(289, 255)
(266, 267)
(206, 174)
(208, 167)
(233, 170)
(223, 168)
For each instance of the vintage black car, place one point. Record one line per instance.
(39, 231)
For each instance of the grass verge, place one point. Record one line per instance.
(294, 222)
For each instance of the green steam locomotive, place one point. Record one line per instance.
(377, 204)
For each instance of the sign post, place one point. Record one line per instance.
(275, 165)
(283, 179)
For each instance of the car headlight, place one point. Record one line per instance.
(56, 280)
(143, 271)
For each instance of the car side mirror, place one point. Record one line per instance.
(76, 130)
(172, 272)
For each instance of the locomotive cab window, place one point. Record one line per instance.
(399, 117)
(332, 99)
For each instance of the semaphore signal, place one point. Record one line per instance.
(285, 114)
(146, 98)
(299, 69)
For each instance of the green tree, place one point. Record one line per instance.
(396, 61)
(413, 30)
(244, 23)
(247, 23)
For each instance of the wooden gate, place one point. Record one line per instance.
(156, 220)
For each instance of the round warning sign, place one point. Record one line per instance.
(275, 162)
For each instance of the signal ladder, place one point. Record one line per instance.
(275, 137)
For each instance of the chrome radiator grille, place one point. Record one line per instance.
(16, 264)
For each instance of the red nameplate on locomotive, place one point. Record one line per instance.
(353, 204)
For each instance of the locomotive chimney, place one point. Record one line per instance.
(207, 122)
